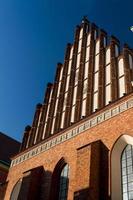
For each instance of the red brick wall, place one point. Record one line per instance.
(88, 155)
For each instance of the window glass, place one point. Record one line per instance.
(64, 179)
(127, 173)
(16, 190)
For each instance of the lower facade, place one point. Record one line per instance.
(96, 164)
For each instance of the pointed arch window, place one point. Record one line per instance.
(127, 172)
(63, 185)
(16, 190)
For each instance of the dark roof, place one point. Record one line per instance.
(8, 147)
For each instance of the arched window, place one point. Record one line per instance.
(127, 172)
(29, 186)
(16, 190)
(60, 181)
(63, 186)
(122, 168)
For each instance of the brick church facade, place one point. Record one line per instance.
(79, 146)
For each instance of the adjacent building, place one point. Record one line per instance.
(8, 148)
(79, 145)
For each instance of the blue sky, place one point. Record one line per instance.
(33, 38)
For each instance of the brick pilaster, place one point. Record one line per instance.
(127, 69)
(72, 76)
(89, 103)
(53, 100)
(114, 68)
(34, 125)
(44, 112)
(25, 138)
(62, 90)
(77, 117)
(101, 82)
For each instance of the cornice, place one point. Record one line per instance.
(104, 115)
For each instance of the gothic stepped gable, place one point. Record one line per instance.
(95, 73)
(80, 145)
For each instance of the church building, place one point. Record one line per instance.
(80, 144)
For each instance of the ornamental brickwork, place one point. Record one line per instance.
(86, 111)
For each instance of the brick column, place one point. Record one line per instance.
(81, 73)
(91, 70)
(62, 90)
(114, 68)
(53, 100)
(25, 138)
(127, 70)
(92, 172)
(44, 112)
(101, 82)
(72, 76)
(34, 125)
(30, 187)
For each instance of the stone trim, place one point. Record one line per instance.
(75, 131)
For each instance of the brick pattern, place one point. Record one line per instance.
(98, 118)
(114, 67)
(62, 91)
(35, 135)
(89, 103)
(53, 100)
(77, 116)
(77, 152)
(34, 125)
(128, 70)
(72, 77)
(44, 112)
(101, 82)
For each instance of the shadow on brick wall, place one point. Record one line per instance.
(3, 187)
(81, 194)
(33, 186)
(99, 168)
(99, 174)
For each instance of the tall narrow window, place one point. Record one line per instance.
(16, 190)
(127, 173)
(64, 179)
